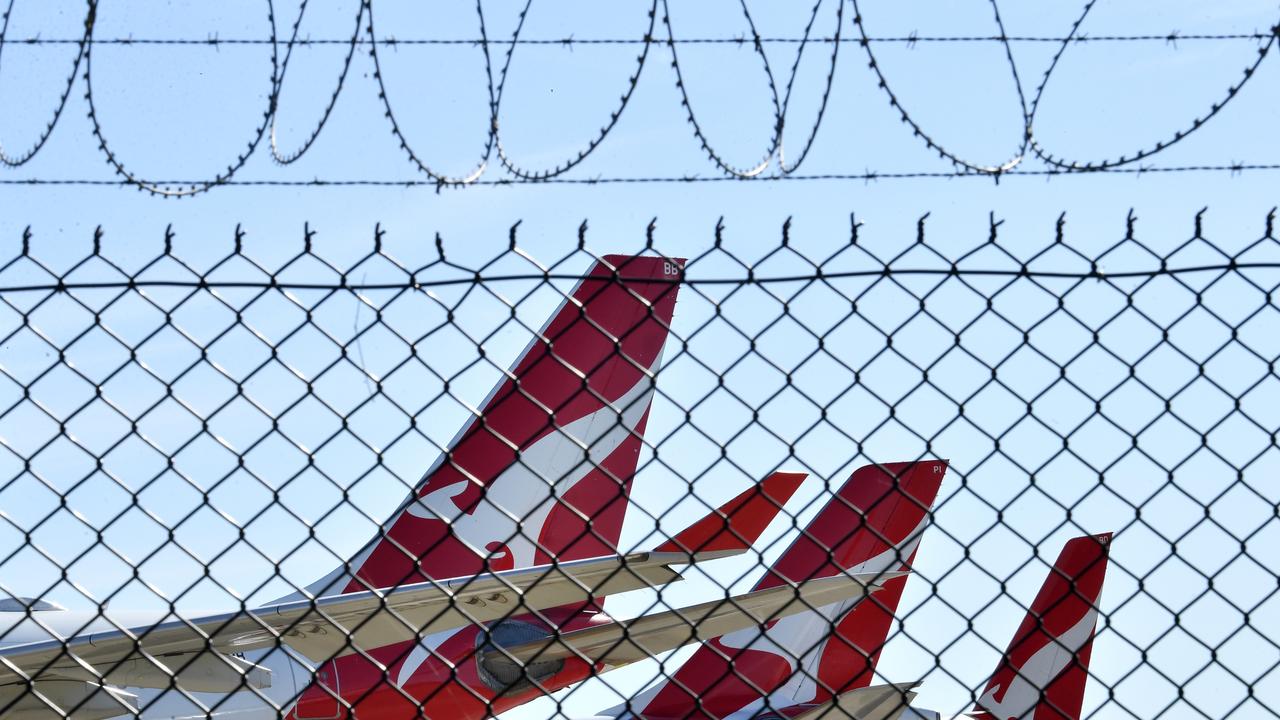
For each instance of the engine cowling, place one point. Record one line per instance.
(502, 674)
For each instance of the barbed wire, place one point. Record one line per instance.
(1196, 123)
(866, 176)
(82, 44)
(826, 90)
(365, 37)
(562, 166)
(195, 187)
(569, 41)
(928, 139)
(289, 158)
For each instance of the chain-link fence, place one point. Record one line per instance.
(862, 463)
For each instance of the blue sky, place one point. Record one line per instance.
(181, 112)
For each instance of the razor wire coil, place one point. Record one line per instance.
(364, 39)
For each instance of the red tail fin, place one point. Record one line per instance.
(873, 524)
(543, 470)
(1043, 673)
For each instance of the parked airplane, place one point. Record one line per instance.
(455, 646)
(872, 525)
(517, 524)
(818, 665)
(1043, 672)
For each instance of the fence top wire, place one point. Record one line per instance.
(1172, 36)
(1014, 261)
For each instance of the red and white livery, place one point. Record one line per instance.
(481, 591)
(1043, 672)
(871, 526)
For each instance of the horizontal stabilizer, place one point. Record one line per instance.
(913, 713)
(737, 524)
(626, 641)
(877, 702)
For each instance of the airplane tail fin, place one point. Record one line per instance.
(873, 524)
(1043, 673)
(542, 471)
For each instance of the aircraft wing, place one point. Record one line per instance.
(625, 641)
(325, 627)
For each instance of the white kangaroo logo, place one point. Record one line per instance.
(1029, 681)
(528, 490)
(516, 504)
(798, 640)
(801, 639)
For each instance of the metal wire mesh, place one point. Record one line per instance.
(211, 429)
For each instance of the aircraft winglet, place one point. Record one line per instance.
(737, 524)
